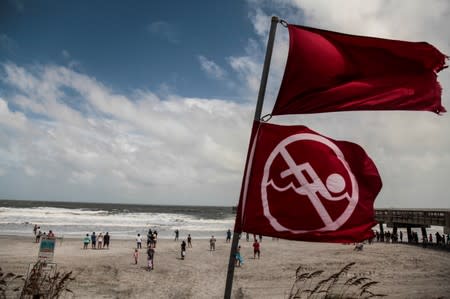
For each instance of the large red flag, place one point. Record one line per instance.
(328, 71)
(301, 185)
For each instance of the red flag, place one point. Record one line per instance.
(301, 185)
(328, 71)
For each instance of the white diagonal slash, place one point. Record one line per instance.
(311, 192)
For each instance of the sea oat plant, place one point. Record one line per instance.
(43, 284)
(333, 287)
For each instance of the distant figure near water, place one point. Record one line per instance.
(228, 236)
(177, 233)
(38, 236)
(106, 239)
(189, 239)
(86, 241)
(139, 241)
(100, 241)
(151, 239)
(93, 240)
(212, 244)
(35, 229)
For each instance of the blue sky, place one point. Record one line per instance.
(152, 101)
(141, 45)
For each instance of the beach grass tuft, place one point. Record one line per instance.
(307, 285)
(39, 283)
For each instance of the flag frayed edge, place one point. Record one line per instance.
(440, 109)
(441, 64)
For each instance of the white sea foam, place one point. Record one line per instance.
(77, 222)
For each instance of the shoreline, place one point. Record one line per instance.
(401, 271)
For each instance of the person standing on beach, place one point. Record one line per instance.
(177, 233)
(86, 241)
(228, 236)
(138, 241)
(106, 239)
(150, 257)
(238, 257)
(152, 240)
(38, 236)
(93, 240)
(149, 237)
(136, 256)
(35, 229)
(212, 244)
(155, 238)
(100, 241)
(256, 250)
(189, 239)
(183, 249)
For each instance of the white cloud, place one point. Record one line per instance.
(409, 148)
(211, 68)
(140, 147)
(138, 142)
(15, 120)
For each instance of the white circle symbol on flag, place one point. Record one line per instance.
(311, 185)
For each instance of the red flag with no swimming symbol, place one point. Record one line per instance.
(328, 71)
(301, 185)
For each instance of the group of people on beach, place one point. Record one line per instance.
(152, 237)
(102, 241)
(99, 241)
(394, 237)
(239, 260)
(38, 234)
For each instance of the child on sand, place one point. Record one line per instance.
(150, 256)
(183, 249)
(136, 256)
(256, 250)
(239, 260)
(212, 244)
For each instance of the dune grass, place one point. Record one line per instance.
(38, 284)
(308, 285)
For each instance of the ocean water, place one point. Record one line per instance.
(122, 221)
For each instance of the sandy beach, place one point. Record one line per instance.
(403, 271)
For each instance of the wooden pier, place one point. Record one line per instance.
(413, 218)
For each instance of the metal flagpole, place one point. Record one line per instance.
(258, 110)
